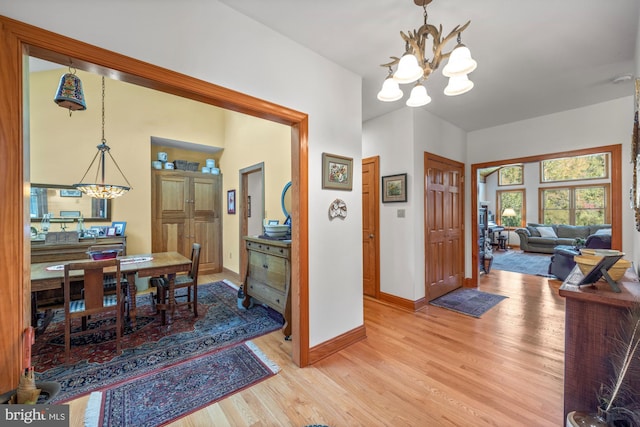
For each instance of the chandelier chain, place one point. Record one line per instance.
(103, 139)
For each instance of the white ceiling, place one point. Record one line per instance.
(534, 57)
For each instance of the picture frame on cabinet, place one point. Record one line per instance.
(231, 202)
(111, 231)
(337, 172)
(120, 227)
(394, 188)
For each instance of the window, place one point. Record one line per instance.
(575, 205)
(591, 166)
(510, 175)
(513, 199)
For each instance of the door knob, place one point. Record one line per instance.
(371, 236)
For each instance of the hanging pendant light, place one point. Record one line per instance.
(98, 189)
(69, 94)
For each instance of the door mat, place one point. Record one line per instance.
(163, 396)
(471, 302)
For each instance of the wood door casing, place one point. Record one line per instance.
(444, 225)
(370, 225)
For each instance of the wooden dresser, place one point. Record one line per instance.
(48, 252)
(268, 276)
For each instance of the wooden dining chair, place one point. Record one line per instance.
(188, 281)
(110, 280)
(95, 300)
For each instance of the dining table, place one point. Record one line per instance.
(50, 275)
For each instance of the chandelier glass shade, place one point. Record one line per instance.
(97, 188)
(416, 66)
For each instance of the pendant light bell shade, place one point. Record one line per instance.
(460, 62)
(69, 94)
(408, 69)
(458, 85)
(419, 96)
(390, 91)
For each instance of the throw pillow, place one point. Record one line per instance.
(603, 232)
(547, 232)
(533, 231)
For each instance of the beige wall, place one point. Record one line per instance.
(62, 146)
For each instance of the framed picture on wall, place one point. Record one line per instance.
(337, 172)
(231, 202)
(394, 188)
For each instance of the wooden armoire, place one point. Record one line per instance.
(186, 208)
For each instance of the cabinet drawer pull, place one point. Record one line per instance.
(265, 266)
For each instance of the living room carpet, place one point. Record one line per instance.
(522, 262)
(152, 347)
(471, 302)
(164, 395)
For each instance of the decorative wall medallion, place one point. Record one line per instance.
(338, 209)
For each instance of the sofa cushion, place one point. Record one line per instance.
(573, 231)
(544, 241)
(547, 232)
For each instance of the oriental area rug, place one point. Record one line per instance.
(170, 393)
(152, 347)
(471, 302)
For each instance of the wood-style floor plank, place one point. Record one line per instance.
(434, 367)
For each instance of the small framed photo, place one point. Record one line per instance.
(337, 172)
(120, 227)
(99, 230)
(111, 231)
(231, 202)
(70, 214)
(394, 188)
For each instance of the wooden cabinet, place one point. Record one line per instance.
(268, 276)
(47, 252)
(592, 317)
(186, 208)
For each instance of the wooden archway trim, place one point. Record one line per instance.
(18, 39)
(616, 191)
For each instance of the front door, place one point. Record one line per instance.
(444, 226)
(370, 223)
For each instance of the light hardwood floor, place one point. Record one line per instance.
(434, 367)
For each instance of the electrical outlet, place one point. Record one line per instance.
(400, 213)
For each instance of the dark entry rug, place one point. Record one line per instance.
(165, 395)
(153, 346)
(522, 262)
(471, 302)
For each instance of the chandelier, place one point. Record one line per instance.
(98, 189)
(415, 66)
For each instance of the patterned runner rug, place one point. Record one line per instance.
(164, 395)
(522, 262)
(471, 302)
(151, 346)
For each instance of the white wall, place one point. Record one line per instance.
(210, 41)
(400, 139)
(602, 124)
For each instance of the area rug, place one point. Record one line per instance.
(471, 302)
(153, 346)
(522, 262)
(164, 395)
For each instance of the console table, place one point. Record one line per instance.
(591, 321)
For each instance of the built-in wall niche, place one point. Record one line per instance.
(183, 150)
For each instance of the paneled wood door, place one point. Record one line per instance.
(370, 224)
(444, 225)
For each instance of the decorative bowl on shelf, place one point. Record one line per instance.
(587, 262)
(101, 255)
(279, 230)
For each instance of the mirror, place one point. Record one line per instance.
(285, 200)
(65, 202)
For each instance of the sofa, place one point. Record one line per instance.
(544, 237)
